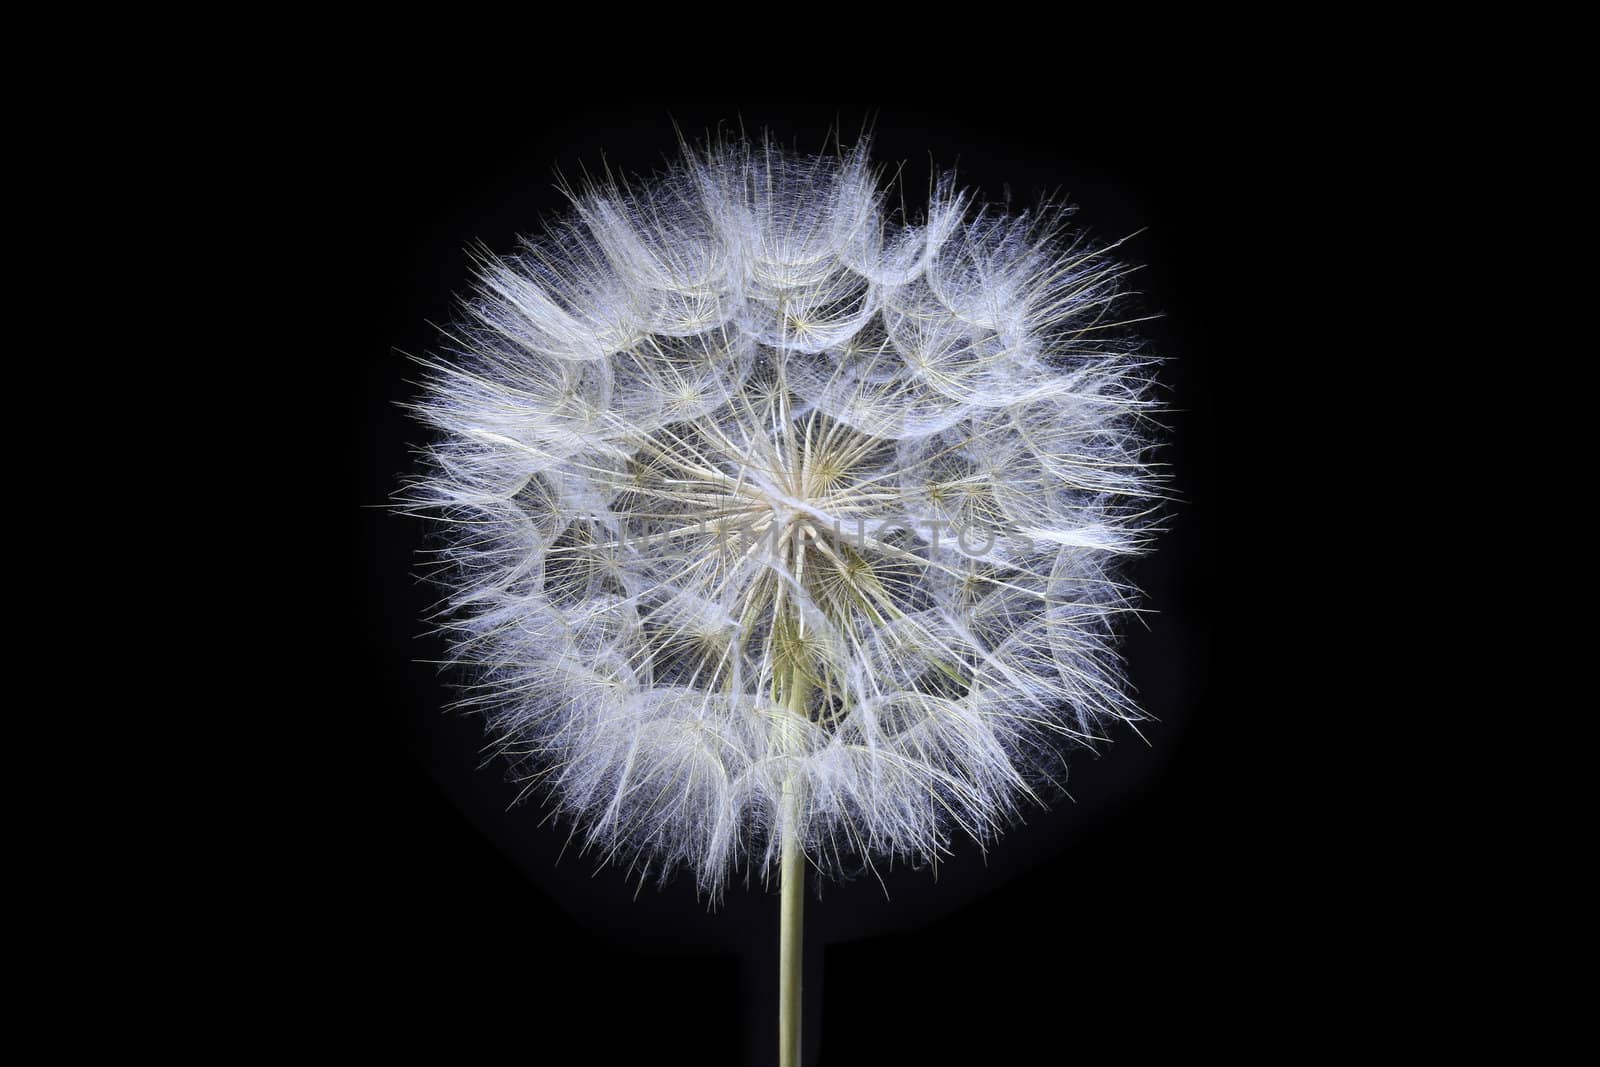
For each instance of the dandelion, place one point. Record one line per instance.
(778, 529)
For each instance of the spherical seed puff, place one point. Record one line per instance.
(764, 511)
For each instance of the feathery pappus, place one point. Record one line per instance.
(765, 512)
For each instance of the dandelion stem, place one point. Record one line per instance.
(791, 949)
(791, 905)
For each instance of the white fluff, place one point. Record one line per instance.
(735, 433)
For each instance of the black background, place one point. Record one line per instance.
(1156, 901)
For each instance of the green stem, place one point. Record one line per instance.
(791, 904)
(791, 947)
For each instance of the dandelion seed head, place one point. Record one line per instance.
(763, 510)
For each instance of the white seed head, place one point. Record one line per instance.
(765, 511)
